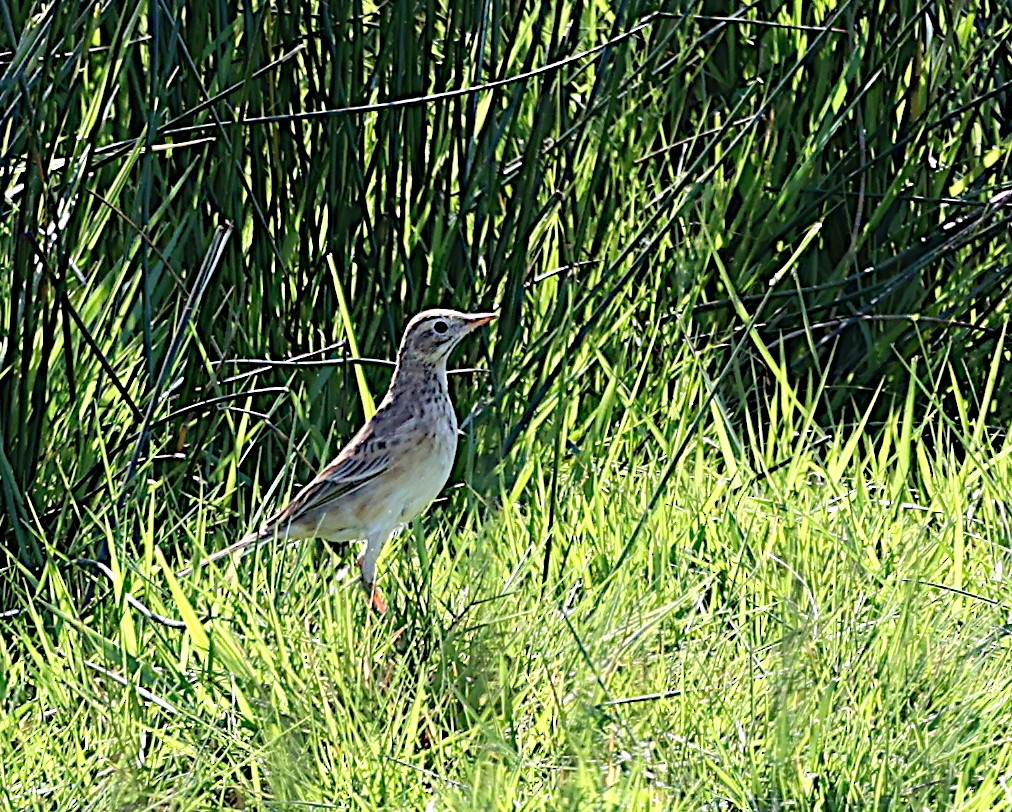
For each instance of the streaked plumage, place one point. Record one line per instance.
(397, 463)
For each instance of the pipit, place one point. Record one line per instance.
(398, 462)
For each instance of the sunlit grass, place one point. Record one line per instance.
(825, 634)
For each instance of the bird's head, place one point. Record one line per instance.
(431, 335)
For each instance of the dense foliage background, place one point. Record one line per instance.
(746, 257)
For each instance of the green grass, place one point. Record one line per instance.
(822, 635)
(728, 527)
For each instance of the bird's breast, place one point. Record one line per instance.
(431, 461)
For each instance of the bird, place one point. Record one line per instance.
(397, 463)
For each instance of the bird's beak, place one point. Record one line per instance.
(476, 320)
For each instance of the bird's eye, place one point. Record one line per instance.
(440, 327)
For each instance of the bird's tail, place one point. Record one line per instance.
(258, 538)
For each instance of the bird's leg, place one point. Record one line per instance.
(367, 563)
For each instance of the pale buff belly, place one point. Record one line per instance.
(420, 485)
(398, 495)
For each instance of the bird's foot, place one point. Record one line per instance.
(373, 597)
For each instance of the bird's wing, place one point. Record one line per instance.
(343, 476)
